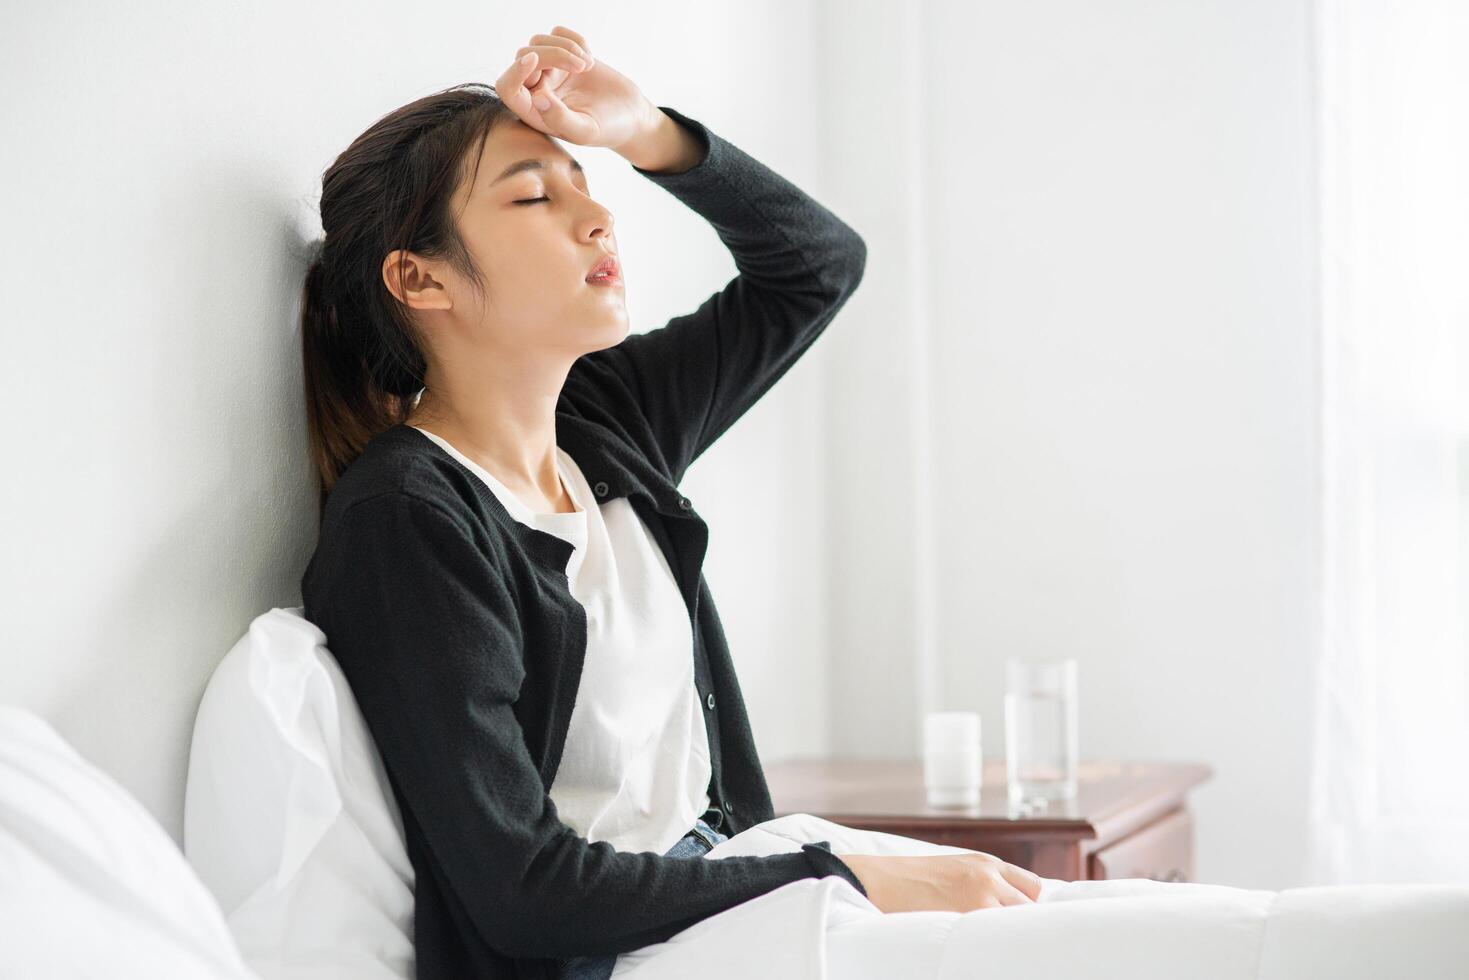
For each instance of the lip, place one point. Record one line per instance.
(608, 264)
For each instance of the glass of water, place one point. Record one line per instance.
(1040, 731)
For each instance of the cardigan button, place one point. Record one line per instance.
(600, 489)
(684, 503)
(710, 700)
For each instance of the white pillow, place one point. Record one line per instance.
(289, 818)
(91, 885)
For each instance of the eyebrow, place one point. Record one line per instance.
(532, 163)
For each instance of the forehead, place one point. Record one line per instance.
(513, 147)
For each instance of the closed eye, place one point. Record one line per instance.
(532, 200)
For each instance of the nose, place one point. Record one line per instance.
(600, 222)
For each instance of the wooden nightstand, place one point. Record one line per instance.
(1129, 820)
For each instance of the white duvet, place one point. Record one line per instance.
(1138, 929)
(92, 886)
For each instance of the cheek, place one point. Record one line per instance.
(528, 252)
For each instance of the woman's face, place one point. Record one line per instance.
(535, 233)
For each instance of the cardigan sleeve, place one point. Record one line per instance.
(798, 263)
(426, 632)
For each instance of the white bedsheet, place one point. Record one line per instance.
(1136, 928)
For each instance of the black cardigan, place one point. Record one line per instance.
(455, 628)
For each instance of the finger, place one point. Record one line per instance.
(557, 116)
(1028, 883)
(554, 56)
(568, 123)
(513, 91)
(511, 85)
(527, 69)
(581, 41)
(563, 42)
(554, 76)
(1009, 895)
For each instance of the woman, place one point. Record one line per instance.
(506, 569)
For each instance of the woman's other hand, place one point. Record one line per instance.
(555, 85)
(943, 882)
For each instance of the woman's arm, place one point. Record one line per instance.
(798, 264)
(424, 626)
(668, 147)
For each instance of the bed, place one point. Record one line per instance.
(1099, 930)
(293, 865)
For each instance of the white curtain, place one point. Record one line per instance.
(1389, 798)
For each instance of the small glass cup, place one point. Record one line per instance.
(1040, 732)
(951, 758)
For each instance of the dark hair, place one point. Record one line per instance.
(390, 189)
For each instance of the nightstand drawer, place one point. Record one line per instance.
(1123, 821)
(1163, 851)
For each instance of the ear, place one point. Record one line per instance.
(418, 289)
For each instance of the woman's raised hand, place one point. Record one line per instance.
(555, 85)
(942, 882)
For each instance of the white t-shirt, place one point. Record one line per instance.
(635, 769)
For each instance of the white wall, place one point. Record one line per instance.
(161, 170)
(1114, 334)
(1070, 411)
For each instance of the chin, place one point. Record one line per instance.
(614, 335)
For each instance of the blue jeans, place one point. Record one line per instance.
(695, 844)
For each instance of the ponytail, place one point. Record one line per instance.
(344, 407)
